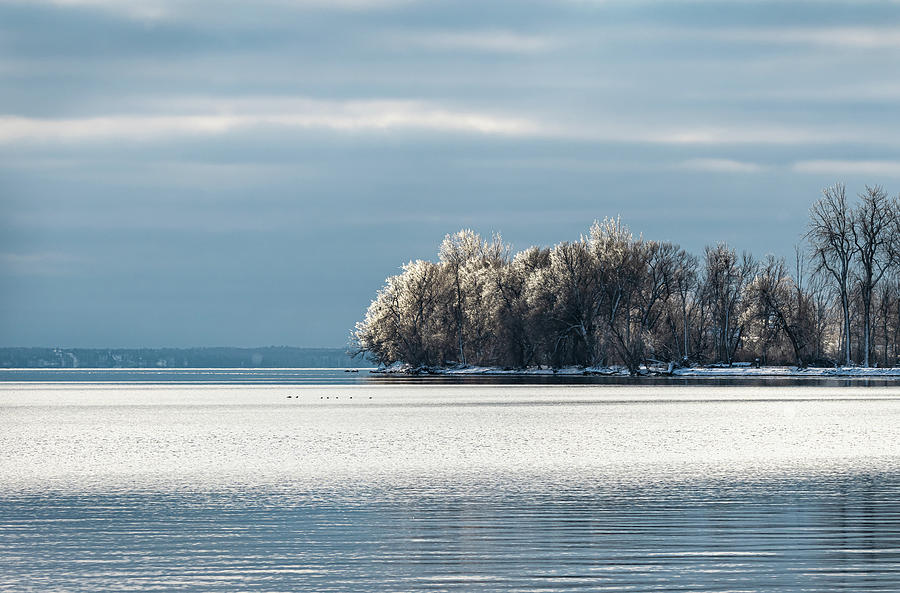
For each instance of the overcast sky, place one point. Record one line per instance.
(188, 173)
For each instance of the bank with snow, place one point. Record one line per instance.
(735, 371)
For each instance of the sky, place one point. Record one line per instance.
(195, 173)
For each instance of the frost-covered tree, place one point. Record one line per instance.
(614, 298)
(402, 323)
(621, 264)
(466, 260)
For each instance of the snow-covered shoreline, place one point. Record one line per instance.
(711, 371)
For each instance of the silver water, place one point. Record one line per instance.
(364, 487)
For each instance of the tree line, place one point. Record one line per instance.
(613, 298)
(200, 357)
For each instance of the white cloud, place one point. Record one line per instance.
(841, 37)
(162, 9)
(398, 116)
(837, 167)
(847, 37)
(352, 116)
(700, 135)
(145, 10)
(168, 116)
(720, 166)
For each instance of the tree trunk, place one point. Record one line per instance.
(867, 321)
(845, 303)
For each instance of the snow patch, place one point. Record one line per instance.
(738, 370)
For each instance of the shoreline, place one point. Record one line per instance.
(742, 371)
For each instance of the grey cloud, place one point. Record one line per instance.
(250, 174)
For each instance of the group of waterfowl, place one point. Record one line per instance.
(322, 397)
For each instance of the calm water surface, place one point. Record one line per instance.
(346, 484)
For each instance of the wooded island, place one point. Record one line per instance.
(611, 298)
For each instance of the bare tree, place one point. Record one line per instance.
(872, 221)
(780, 300)
(726, 276)
(830, 236)
(886, 300)
(568, 293)
(684, 281)
(656, 284)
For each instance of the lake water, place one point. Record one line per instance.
(323, 481)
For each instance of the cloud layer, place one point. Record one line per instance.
(196, 172)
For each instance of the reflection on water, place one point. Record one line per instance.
(841, 532)
(403, 487)
(364, 376)
(204, 376)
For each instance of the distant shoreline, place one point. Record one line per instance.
(201, 357)
(742, 371)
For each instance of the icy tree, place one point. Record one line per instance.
(401, 323)
(465, 258)
(613, 298)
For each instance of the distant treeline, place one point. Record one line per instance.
(268, 357)
(613, 298)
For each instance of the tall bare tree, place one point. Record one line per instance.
(830, 236)
(872, 222)
(726, 276)
(779, 299)
(576, 286)
(887, 301)
(685, 283)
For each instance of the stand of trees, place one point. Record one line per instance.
(614, 298)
